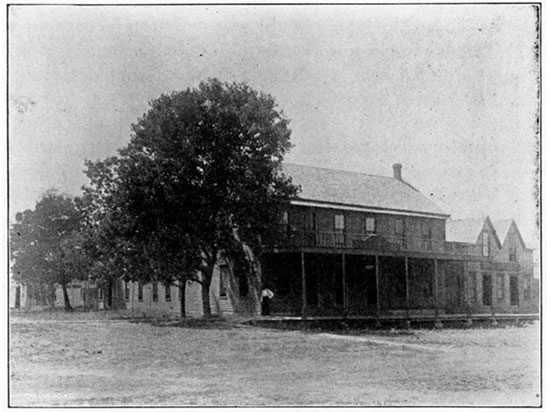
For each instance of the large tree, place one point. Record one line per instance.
(200, 176)
(46, 246)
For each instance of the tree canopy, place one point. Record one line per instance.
(200, 176)
(46, 244)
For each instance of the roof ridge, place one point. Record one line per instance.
(340, 170)
(471, 219)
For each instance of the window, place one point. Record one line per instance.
(513, 254)
(167, 293)
(472, 288)
(426, 236)
(179, 292)
(311, 228)
(339, 223)
(284, 218)
(487, 290)
(399, 227)
(223, 281)
(526, 289)
(514, 293)
(126, 291)
(500, 286)
(311, 221)
(155, 287)
(485, 239)
(140, 292)
(100, 293)
(370, 225)
(400, 233)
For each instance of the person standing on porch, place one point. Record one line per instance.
(266, 296)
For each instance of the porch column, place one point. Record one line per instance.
(407, 283)
(436, 289)
(304, 297)
(377, 285)
(344, 294)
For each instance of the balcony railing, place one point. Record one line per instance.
(319, 239)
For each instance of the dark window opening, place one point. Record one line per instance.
(514, 293)
(167, 293)
(527, 289)
(223, 281)
(126, 291)
(485, 240)
(487, 290)
(513, 255)
(155, 287)
(472, 287)
(140, 292)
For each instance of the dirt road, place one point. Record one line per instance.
(116, 363)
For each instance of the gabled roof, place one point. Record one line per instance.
(464, 230)
(468, 230)
(361, 190)
(502, 227)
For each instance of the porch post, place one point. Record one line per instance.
(344, 294)
(304, 297)
(377, 286)
(407, 283)
(436, 290)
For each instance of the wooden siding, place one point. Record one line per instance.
(355, 222)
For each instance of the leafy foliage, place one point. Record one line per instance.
(200, 175)
(46, 245)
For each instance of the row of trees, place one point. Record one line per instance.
(200, 178)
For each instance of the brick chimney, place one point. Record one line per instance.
(397, 171)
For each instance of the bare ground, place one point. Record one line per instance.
(90, 359)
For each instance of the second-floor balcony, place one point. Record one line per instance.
(341, 240)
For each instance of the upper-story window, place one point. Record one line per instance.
(485, 240)
(426, 230)
(311, 221)
(426, 236)
(370, 225)
(167, 293)
(155, 287)
(284, 218)
(339, 223)
(399, 227)
(513, 254)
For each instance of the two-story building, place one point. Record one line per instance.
(362, 245)
(365, 245)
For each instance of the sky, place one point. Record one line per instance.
(449, 91)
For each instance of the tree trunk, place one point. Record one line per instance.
(68, 307)
(117, 294)
(47, 295)
(182, 286)
(205, 290)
